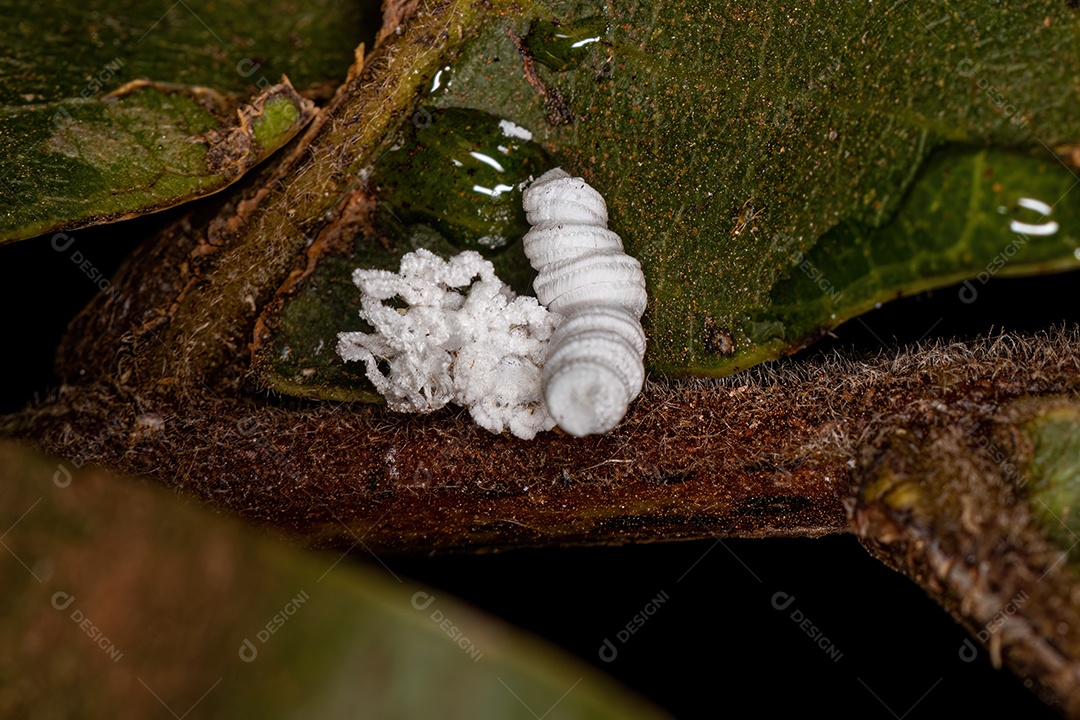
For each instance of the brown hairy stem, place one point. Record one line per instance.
(772, 452)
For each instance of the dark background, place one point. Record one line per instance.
(717, 644)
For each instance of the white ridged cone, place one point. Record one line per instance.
(595, 360)
(555, 197)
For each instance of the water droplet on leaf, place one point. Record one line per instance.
(459, 172)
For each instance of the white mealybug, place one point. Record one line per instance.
(462, 337)
(595, 360)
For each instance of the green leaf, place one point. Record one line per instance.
(954, 223)
(78, 164)
(122, 598)
(123, 109)
(1054, 469)
(726, 140)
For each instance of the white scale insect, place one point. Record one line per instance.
(497, 354)
(595, 360)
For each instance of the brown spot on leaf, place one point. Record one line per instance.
(558, 110)
(718, 340)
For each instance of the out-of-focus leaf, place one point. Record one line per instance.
(118, 109)
(776, 169)
(1055, 470)
(121, 601)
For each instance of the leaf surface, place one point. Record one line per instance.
(112, 110)
(122, 599)
(776, 169)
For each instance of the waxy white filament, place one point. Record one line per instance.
(595, 360)
(463, 337)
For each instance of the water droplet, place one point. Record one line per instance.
(1037, 205)
(1028, 229)
(459, 173)
(514, 131)
(1037, 229)
(442, 79)
(562, 46)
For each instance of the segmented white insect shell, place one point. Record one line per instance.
(595, 362)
